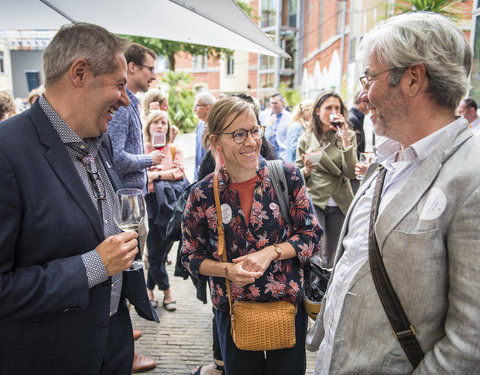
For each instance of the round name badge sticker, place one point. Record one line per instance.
(226, 213)
(273, 206)
(435, 205)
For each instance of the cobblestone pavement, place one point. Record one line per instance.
(183, 338)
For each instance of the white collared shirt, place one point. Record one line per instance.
(355, 241)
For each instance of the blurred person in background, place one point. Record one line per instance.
(35, 94)
(203, 103)
(157, 100)
(276, 120)
(328, 182)
(161, 180)
(300, 121)
(468, 109)
(356, 115)
(7, 106)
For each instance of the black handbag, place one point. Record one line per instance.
(315, 282)
(174, 227)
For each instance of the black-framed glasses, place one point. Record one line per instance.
(240, 136)
(151, 68)
(367, 79)
(97, 184)
(200, 105)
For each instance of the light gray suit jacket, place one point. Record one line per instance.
(433, 264)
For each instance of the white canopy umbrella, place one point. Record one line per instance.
(218, 23)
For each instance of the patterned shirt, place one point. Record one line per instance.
(283, 279)
(77, 148)
(125, 130)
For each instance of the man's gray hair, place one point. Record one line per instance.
(205, 98)
(427, 38)
(81, 40)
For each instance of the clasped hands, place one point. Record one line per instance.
(246, 269)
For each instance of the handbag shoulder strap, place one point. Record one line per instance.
(402, 329)
(279, 182)
(221, 233)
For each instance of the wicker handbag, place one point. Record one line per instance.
(256, 325)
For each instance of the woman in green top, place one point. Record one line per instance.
(328, 182)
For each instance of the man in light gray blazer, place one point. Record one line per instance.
(428, 226)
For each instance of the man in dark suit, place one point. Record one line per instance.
(62, 289)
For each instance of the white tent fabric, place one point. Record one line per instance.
(218, 23)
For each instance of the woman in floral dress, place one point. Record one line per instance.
(265, 256)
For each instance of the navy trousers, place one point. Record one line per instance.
(158, 250)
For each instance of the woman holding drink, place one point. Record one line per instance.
(157, 136)
(327, 154)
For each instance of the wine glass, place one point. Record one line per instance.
(129, 213)
(158, 140)
(338, 124)
(365, 159)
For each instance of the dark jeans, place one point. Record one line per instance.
(217, 350)
(331, 220)
(157, 256)
(290, 361)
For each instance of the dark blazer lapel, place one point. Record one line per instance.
(105, 153)
(418, 183)
(60, 161)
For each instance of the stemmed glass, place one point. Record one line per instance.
(158, 141)
(365, 159)
(129, 213)
(334, 121)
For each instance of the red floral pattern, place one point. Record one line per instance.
(283, 279)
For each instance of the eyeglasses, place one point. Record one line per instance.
(97, 184)
(240, 136)
(151, 68)
(200, 105)
(367, 79)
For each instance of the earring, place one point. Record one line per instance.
(219, 149)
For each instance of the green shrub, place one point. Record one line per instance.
(181, 101)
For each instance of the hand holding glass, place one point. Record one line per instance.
(129, 213)
(337, 124)
(364, 161)
(158, 141)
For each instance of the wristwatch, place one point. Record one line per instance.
(278, 250)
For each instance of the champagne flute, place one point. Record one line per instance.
(338, 124)
(158, 141)
(129, 213)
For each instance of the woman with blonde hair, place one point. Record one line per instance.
(301, 118)
(154, 100)
(157, 100)
(168, 175)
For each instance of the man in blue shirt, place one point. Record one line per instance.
(276, 120)
(203, 103)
